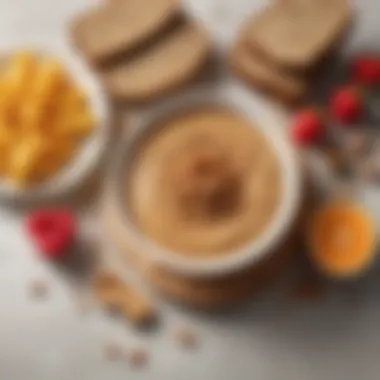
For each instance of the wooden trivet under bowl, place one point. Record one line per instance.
(218, 292)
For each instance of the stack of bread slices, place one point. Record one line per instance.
(141, 48)
(278, 48)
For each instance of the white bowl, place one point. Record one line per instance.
(89, 156)
(272, 124)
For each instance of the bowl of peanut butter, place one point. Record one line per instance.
(207, 185)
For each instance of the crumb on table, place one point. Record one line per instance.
(138, 358)
(186, 338)
(38, 288)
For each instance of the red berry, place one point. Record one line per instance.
(366, 70)
(346, 105)
(307, 127)
(52, 231)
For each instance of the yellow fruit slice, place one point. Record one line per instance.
(342, 239)
(76, 126)
(56, 155)
(5, 144)
(32, 116)
(21, 71)
(25, 157)
(74, 100)
(36, 158)
(50, 80)
(44, 116)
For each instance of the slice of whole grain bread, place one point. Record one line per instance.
(173, 59)
(115, 27)
(267, 77)
(296, 34)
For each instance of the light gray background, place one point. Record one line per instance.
(270, 338)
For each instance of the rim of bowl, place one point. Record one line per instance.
(251, 252)
(84, 162)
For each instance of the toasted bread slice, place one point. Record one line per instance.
(114, 27)
(265, 76)
(298, 33)
(172, 60)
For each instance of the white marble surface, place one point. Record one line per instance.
(271, 338)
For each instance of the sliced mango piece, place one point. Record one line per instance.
(50, 80)
(26, 156)
(43, 117)
(77, 125)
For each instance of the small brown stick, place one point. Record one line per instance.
(117, 295)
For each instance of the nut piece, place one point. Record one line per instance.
(38, 288)
(186, 338)
(138, 358)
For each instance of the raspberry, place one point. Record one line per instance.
(52, 231)
(366, 70)
(346, 105)
(307, 127)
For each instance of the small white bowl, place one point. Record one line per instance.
(272, 124)
(90, 154)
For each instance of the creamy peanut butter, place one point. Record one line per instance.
(205, 184)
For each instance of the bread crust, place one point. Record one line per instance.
(167, 64)
(272, 80)
(309, 54)
(107, 30)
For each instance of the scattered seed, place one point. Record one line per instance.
(186, 338)
(38, 288)
(113, 352)
(138, 358)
